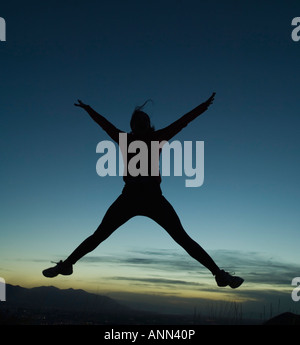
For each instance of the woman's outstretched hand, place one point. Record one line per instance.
(81, 104)
(203, 106)
(210, 100)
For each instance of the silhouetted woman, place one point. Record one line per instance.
(142, 195)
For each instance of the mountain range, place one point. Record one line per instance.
(50, 297)
(50, 305)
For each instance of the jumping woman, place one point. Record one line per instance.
(142, 195)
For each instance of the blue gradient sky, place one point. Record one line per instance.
(114, 55)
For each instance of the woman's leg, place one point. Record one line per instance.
(117, 214)
(164, 214)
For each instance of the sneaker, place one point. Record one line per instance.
(224, 278)
(60, 268)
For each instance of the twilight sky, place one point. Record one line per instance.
(114, 55)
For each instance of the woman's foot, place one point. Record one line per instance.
(224, 278)
(60, 268)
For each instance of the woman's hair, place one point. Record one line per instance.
(140, 121)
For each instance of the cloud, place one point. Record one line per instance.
(102, 259)
(158, 260)
(173, 274)
(255, 267)
(161, 281)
